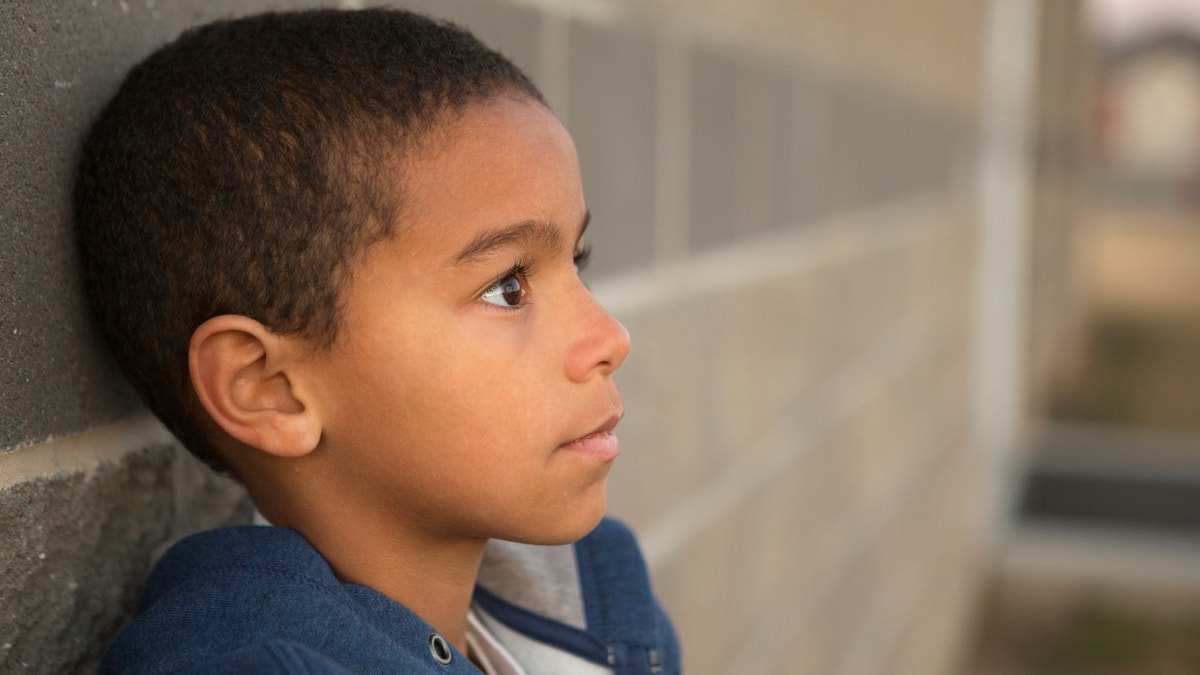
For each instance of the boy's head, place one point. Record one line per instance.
(246, 168)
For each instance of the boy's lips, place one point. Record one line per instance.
(601, 442)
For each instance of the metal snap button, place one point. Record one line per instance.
(440, 649)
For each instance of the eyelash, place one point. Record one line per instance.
(522, 270)
(581, 258)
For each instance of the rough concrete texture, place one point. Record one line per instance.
(204, 500)
(77, 546)
(60, 62)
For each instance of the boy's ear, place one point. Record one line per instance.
(243, 376)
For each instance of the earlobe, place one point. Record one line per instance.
(242, 375)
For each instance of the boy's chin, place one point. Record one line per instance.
(563, 531)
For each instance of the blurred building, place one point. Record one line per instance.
(839, 233)
(1151, 105)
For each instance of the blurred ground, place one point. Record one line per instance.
(1141, 276)
(1090, 640)
(1139, 368)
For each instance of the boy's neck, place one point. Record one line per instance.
(434, 577)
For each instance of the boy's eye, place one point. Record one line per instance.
(581, 258)
(508, 292)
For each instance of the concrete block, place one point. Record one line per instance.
(668, 429)
(938, 637)
(767, 333)
(713, 205)
(812, 146)
(759, 136)
(790, 541)
(612, 119)
(881, 445)
(890, 127)
(917, 142)
(914, 143)
(822, 648)
(61, 62)
(751, 141)
(205, 500)
(934, 147)
(79, 542)
(76, 548)
(787, 190)
(913, 553)
(854, 163)
(707, 380)
(794, 545)
(698, 589)
(939, 623)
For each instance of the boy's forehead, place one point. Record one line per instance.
(494, 165)
(506, 127)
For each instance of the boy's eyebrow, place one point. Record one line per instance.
(537, 231)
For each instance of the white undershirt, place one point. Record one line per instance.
(486, 650)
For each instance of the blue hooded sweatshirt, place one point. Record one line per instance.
(260, 599)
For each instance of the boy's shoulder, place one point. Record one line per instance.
(262, 599)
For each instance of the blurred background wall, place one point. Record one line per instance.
(845, 237)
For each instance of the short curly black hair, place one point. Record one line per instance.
(244, 168)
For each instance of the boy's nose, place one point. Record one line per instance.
(601, 347)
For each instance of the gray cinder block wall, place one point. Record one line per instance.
(783, 219)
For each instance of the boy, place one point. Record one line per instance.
(337, 254)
